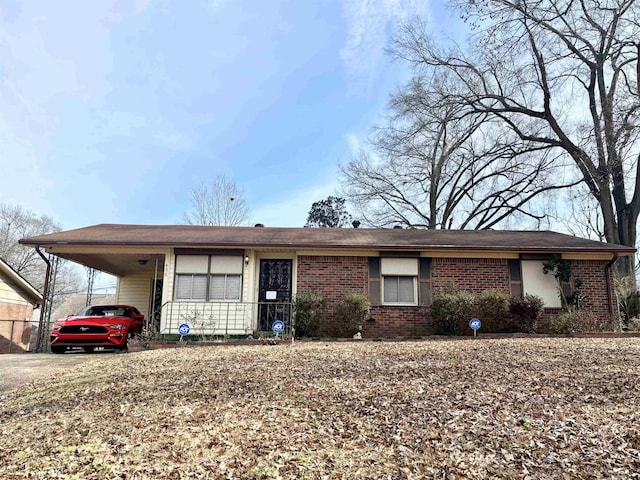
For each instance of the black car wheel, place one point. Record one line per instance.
(58, 349)
(125, 345)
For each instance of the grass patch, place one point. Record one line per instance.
(516, 408)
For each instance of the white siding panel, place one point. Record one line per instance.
(8, 294)
(135, 290)
(535, 282)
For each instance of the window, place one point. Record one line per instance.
(399, 289)
(208, 277)
(225, 287)
(191, 287)
(399, 281)
(515, 277)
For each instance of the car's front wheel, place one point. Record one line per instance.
(58, 349)
(125, 346)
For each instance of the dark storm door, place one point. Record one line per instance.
(155, 305)
(274, 292)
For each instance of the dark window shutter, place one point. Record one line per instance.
(424, 290)
(374, 280)
(515, 277)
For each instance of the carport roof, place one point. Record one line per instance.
(320, 238)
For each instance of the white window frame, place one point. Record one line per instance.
(190, 276)
(225, 297)
(391, 268)
(209, 266)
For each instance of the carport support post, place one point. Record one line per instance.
(45, 299)
(150, 323)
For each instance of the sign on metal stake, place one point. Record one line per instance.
(183, 330)
(474, 323)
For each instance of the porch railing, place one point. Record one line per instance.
(224, 318)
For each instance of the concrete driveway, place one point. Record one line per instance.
(20, 368)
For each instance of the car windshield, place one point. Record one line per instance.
(105, 311)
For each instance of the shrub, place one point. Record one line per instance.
(351, 313)
(634, 325)
(582, 321)
(451, 310)
(493, 311)
(307, 313)
(629, 306)
(564, 323)
(525, 312)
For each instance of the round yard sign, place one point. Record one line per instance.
(474, 323)
(278, 326)
(184, 329)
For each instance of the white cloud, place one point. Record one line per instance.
(353, 143)
(370, 24)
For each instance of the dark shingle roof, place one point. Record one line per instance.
(391, 239)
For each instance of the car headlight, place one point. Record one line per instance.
(56, 327)
(119, 326)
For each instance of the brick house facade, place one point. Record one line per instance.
(335, 276)
(234, 275)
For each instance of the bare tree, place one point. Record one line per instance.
(560, 74)
(218, 201)
(17, 222)
(438, 164)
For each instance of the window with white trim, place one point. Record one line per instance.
(399, 281)
(208, 278)
(191, 287)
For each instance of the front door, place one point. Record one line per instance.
(155, 306)
(274, 292)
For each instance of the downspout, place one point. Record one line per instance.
(607, 274)
(45, 293)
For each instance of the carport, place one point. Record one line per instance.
(139, 269)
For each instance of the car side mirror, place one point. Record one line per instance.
(140, 317)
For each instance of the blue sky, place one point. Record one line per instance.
(112, 110)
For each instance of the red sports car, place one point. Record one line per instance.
(107, 326)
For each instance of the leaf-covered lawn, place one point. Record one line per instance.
(520, 408)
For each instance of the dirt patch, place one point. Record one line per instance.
(20, 369)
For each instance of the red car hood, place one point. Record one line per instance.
(98, 320)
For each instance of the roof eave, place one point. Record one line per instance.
(34, 295)
(621, 250)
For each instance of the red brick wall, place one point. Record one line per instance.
(335, 276)
(594, 284)
(21, 329)
(472, 274)
(389, 322)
